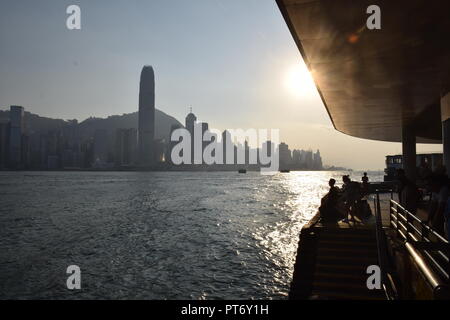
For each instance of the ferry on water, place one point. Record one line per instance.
(425, 161)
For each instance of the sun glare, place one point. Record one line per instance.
(299, 81)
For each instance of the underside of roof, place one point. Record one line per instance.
(373, 82)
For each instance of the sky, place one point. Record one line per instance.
(233, 61)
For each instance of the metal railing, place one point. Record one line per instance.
(428, 249)
(386, 269)
(424, 238)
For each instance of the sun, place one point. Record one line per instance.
(299, 82)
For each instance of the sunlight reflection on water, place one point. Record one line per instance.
(175, 235)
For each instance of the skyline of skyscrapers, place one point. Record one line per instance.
(70, 146)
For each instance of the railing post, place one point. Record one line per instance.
(378, 205)
(447, 252)
(408, 227)
(390, 214)
(396, 220)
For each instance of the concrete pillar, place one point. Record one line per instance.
(445, 117)
(409, 152)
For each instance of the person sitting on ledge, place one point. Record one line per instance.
(330, 204)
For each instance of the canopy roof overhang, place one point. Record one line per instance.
(373, 82)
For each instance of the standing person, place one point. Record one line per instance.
(351, 196)
(365, 184)
(365, 178)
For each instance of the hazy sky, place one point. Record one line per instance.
(233, 61)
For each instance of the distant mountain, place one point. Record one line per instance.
(36, 123)
(163, 122)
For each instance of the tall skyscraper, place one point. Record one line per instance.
(146, 116)
(318, 161)
(191, 122)
(285, 156)
(15, 136)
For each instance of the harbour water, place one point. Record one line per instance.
(154, 235)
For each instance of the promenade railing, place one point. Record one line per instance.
(428, 249)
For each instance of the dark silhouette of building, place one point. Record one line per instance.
(4, 137)
(204, 128)
(172, 144)
(285, 156)
(15, 136)
(147, 117)
(100, 148)
(190, 123)
(126, 147)
(227, 144)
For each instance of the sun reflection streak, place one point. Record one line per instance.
(301, 192)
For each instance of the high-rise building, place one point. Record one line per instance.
(147, 116)
(172, 144)
(126, 145)
(204, 129)
(285, 156)
(227, 145)
(318, 161)
(100, 147)
(191, 120)
(4, 129)
(191, 123)
(15, 136)
(267, 148)
(296, 159)
(309, 161)
(52, 149)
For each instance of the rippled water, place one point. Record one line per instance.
(155, 235)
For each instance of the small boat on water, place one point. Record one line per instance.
(285, 171)
(242, 171)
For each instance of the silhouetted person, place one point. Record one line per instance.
(329, 208)
(333, 188)
(365, 184)
(351, 196)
